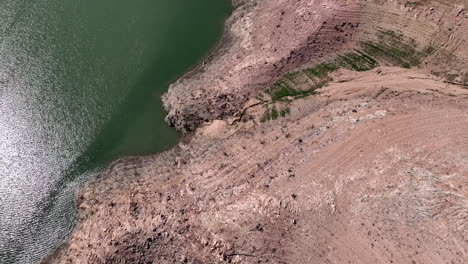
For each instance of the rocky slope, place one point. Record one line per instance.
(322, 132)
(266, 39)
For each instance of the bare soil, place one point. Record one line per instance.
(373, 168)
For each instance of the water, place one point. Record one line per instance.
(80, 82)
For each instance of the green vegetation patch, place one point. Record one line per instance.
(282, 92)
(285, 112)
(358, 61)
(273, 113)
(293, 77)
(390, 47)
(452, 77)
(395, 49)
(321, 71)
(286, 89)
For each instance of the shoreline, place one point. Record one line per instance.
(220, 43)
(191, 202)
(193, 70)
(226, 40)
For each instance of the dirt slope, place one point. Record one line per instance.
(371, 170)
(349, 145)
(266, 39)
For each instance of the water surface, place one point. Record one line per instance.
(80, 82)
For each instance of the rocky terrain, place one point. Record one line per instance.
(318, 132)
(266, 39)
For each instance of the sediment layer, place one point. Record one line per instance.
(320, 132)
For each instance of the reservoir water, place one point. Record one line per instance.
(80, 85)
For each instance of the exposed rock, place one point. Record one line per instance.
(255, 52)
(371, 169)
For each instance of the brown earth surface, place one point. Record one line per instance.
(371, 169)
(265, 39)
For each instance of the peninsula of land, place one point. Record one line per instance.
(319, 131)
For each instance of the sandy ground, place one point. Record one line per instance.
(372, 169)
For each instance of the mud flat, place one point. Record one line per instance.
(319, 132)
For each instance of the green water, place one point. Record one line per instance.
(80, 85)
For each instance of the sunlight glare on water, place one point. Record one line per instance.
(80, 83)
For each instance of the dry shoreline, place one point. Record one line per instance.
(372, 169)
(223, 42)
